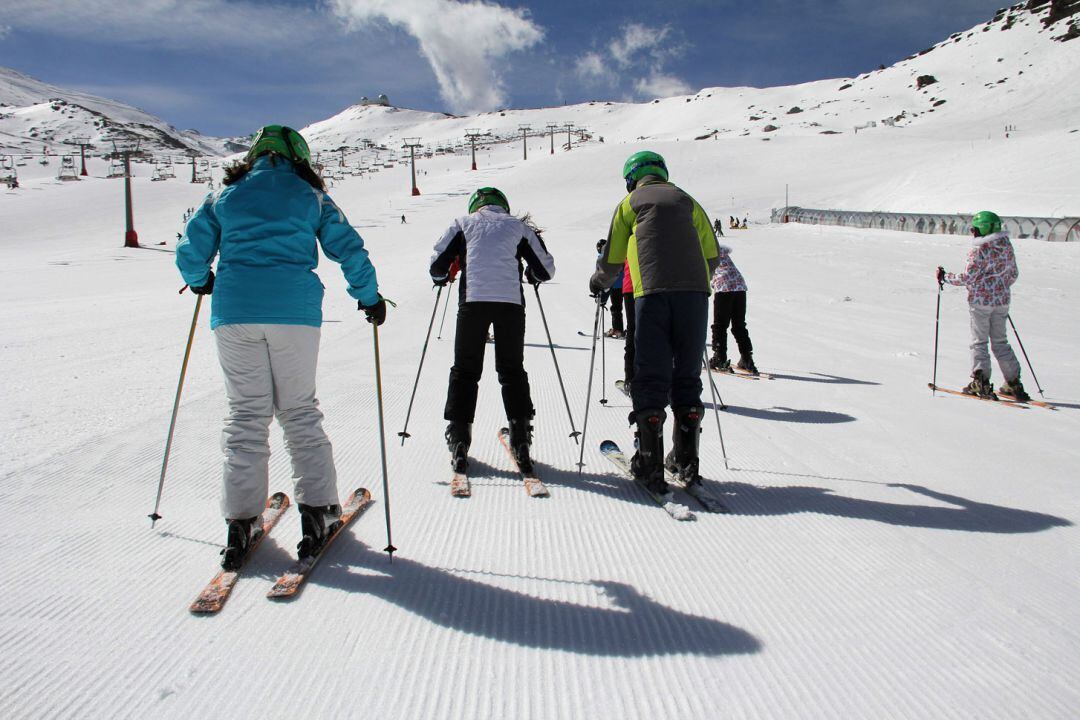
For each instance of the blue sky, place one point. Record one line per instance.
(227, 67)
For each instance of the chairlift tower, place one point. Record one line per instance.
(525, 140)
(412, 144)
(551, 128)
(131, 238)
(569, 127)
(471, 136)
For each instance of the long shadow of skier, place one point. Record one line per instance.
(826, 379)
(786, 414)
(965, 515)
(632, 625)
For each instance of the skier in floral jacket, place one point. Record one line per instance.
(729, 308)
(991, 271)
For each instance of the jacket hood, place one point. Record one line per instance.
(986, 239)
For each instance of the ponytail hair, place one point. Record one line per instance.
(235, 173)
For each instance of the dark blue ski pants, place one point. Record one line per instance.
(669, 341)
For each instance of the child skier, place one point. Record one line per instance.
(729, 307)
(490, 245)
(991, 271)
(669, 242)
(266, 316)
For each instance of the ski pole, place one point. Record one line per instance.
(573, 430)
(382, 442)
(427, 338)
(1021, 342)
(937, 325)
(588, 392)
(603, 356)
(154, 516)
(445, 306)
(718, 403)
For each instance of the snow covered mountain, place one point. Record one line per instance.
(35, 115)
(1018, 69)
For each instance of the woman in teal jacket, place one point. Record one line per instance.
(266, 316)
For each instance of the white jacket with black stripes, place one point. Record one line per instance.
(490, 245)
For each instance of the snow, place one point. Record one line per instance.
(889, 554)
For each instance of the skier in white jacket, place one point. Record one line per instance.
(490, 244)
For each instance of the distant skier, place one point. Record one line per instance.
(266, 316)
(718, 227)
(743, 226)
(490, 245)
(671, 249)
(991, 271)
(729, 307)
(403, 219)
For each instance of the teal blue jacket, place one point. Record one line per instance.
(264, 227)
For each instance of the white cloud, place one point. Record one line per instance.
(464, 41)
(5, 30)
(659, 85)
(591, 68)
(171, 23)
(636, 38)
(638, 51)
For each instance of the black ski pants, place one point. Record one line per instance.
(473, 321)
(616, 310)
(730, 308)
(631, 324)
(669, 342)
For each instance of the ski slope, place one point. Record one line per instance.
(890, 554)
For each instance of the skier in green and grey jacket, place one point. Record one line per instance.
(671, 249)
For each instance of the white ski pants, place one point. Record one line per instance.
(988, 323)
(270, 371)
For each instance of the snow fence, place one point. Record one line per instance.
(1037, 228)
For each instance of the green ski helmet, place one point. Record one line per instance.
(488, 196)
(282, 140)
(986, 222)
(641, 164)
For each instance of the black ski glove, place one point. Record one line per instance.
(207, 287)
(530, 278)
(940, 275)
(375, 313)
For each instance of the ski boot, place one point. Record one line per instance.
(520, 440)
(242, 534)
(615, 334)
(647, 463)
(317, 523)
(719, 362)
(458, 438)
(1013, 390)
(683, 461)
(746, 364)
(980, 385)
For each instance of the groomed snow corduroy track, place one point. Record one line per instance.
(889, 554)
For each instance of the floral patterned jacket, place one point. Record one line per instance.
(726, 277)
(991, 270)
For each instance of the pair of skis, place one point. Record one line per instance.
(534, 486)
(1001, 399)
(217, 591)
(697, 490)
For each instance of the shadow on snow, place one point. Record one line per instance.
(965, 515)
(632, 625)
